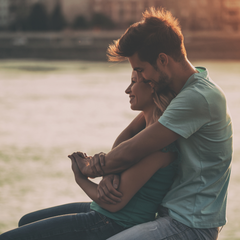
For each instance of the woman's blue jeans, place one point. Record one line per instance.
(75, 221)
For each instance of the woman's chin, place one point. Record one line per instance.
(132, 107)
(135, 108)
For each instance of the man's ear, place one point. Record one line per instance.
(162, 59)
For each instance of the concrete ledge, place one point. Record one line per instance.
(92, 45)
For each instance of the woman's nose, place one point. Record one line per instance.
(128, 90)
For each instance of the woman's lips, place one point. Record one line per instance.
(131, 98)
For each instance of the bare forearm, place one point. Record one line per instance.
(119, 159)
(141, 145)
(137, 125)
(125, 135)
(90, 189)
(126, 154)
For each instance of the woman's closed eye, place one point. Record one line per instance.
(133, 81)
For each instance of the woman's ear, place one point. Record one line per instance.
(152, 87)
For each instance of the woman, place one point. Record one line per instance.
(143, 186)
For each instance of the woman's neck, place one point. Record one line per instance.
(148, 114)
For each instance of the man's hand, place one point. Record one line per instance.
(107, 189)
(96, 163)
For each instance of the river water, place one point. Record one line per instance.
(50, 109)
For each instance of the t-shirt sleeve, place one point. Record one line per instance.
(186, 114)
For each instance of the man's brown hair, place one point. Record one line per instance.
(157, 32)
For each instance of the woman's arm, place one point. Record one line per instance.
(108, 187)
(131, 180)
(136, 126)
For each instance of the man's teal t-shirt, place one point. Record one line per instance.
(200, 116)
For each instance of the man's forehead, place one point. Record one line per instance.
(136, 62)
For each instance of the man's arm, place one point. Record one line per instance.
(131, 180)
(128, 153)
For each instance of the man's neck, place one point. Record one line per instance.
(181, 72)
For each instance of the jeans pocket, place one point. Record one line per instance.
(102, 217)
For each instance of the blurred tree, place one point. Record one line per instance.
(101, 21)
(80, 22)
(19, 14)
(38, 18)
(57, 19)
(19, 24)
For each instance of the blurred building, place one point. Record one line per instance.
(4, 13)
(231, 14)
(122, 12)
(197, 15)
(71, 8)
(193, 15)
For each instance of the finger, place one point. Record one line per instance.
(112, 193)
(116, 181)
(71, 157)
(102, 159)
(105, 198)
(97, 164)
(75, 156)
(73, 165)
(77, 159)
(100, 194)
(109, 190)
(92, 164)
(81, 154)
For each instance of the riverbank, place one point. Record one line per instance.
(92, 45)
(50, 109)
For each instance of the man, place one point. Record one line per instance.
(197, 118)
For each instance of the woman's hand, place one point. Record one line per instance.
(77, 172)
(81, 159)
(107, 189)
(89, 166)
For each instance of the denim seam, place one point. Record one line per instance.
(177, 234)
